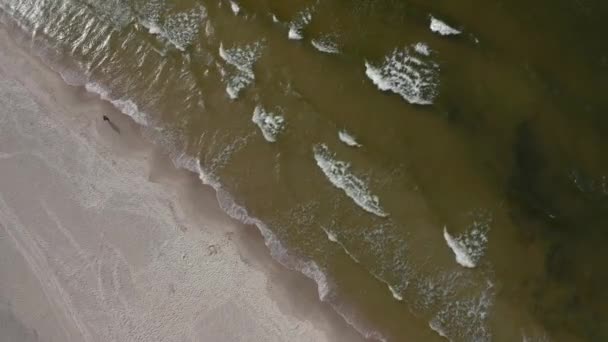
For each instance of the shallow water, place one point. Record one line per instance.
(469, 195)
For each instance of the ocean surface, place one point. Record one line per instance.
(438, 168)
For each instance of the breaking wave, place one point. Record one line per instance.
(340, 175)
(407, 72)
(442, 28)
(270, 124)
(241, 59)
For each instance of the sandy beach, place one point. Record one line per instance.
(102, 239)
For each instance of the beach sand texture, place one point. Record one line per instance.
(100, 240)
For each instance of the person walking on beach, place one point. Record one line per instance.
(112, 125)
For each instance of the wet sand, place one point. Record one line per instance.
(101, 238)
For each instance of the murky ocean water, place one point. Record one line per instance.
(438, 168)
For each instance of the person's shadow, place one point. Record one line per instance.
(112, 125)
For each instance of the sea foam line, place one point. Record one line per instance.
(333, 238)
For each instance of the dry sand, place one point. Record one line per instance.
(102, 240)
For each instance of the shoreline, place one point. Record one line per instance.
(293, 293)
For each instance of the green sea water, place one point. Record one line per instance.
(434, 186)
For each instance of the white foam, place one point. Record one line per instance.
(538, 337)
(422, 48)
(209, 29)
(472, 243)
(308, 268)
(331, 236)
(325, 44)
(395, 294)
(227, 203)
(237, 83)
(460, 251)
(348, 139)
(180, 29)
(152, 26)
(465, 318)
(436, 328)
(269, 123)
(407, 74)
(236, 9)
(299, 23)
(150, 12)
(340, 175)
(294, 33)
(442, 28)
(127, 106)
(242, 58)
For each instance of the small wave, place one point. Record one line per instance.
(422, 49)
(127, 107)
(209, 30)
(116, 12)
(436, 328)
(299, 23)
(269, 123)
(465, 319)
(460, 251)
(331, 236)
(395, 294)
(348, 139)
(179, 29)
(442, 28)
(182, 28)
(470, 246)
(407, 74)
(339, 174)
(536, 337)
(294, 34)
(395, 290)
(242, 58)
(326, 44)
(150, 15)
(234, 6)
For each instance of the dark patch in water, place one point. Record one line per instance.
(569, 224)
